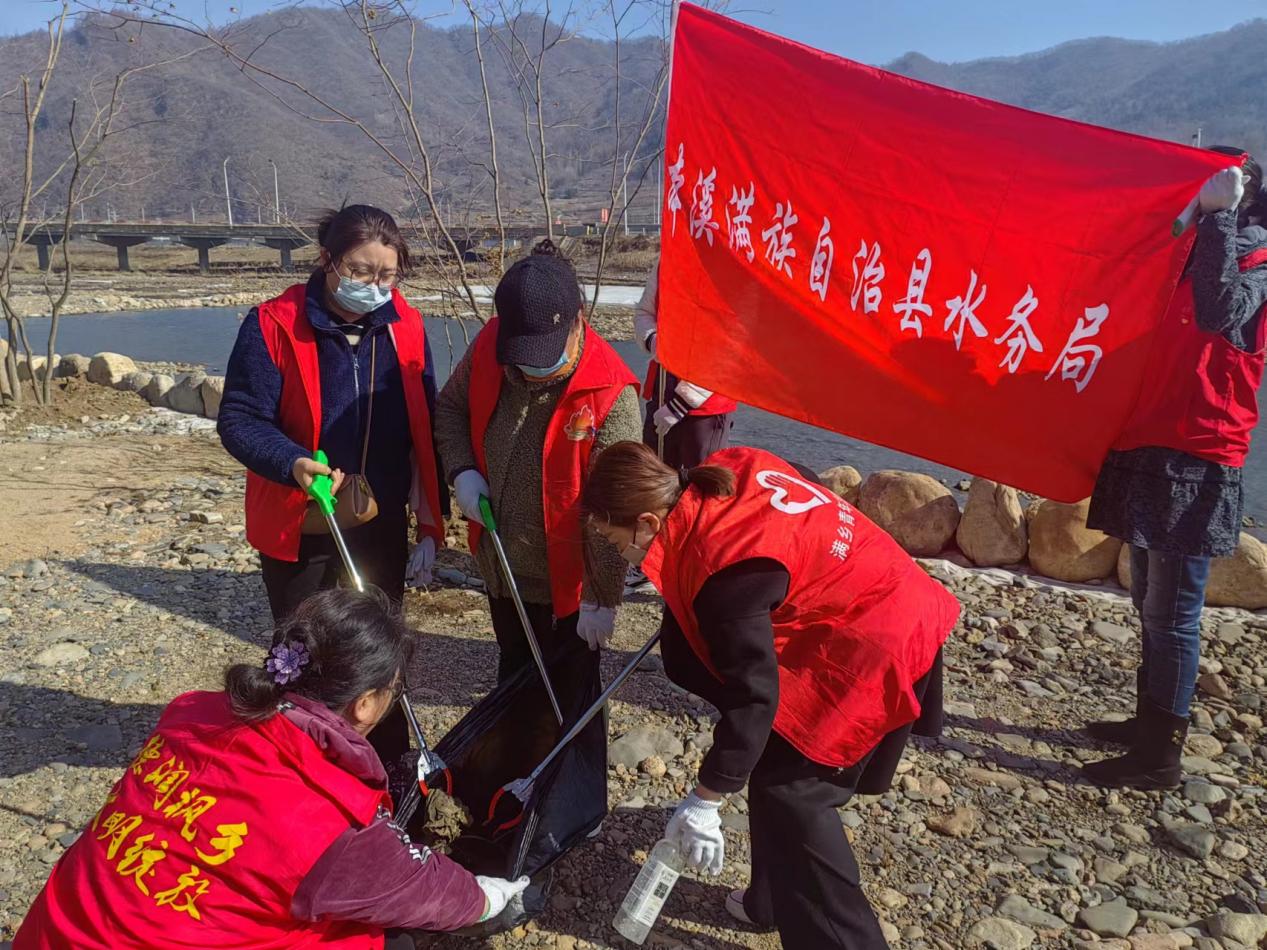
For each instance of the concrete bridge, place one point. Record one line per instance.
(283, 238)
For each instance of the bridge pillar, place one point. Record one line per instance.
(203, 246)
(42, 241)
(285, 245)
(121, 243)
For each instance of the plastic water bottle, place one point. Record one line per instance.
(651, 888)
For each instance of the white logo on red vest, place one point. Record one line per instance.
(580, 426)
(790, 495)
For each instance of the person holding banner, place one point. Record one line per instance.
(537, 392)
(1172, 487)
(692, 423)
(816, 637)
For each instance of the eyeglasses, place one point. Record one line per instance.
(367, 275)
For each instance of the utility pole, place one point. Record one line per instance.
(228, 203)
(624, 194)
(277, 200)
(193, 214)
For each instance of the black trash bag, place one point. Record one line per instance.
(505, 737)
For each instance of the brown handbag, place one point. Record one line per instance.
(356, 502)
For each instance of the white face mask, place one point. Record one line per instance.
(633, 552)
(541, 372)
(356, 297)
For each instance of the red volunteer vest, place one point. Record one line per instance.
(714, 405)
(204, 840)
(1204, 395)
(861, 622)
(275, 512)
(591, 391)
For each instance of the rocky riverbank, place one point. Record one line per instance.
(126, 580)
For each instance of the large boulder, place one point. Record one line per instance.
(186, 395)
(1239, 580)
(72, 366)
(844, 480)
(135, 382)
(108, 369)
(919, 511)
(212, 390)
(992, 530)
(34, 367)
(156, 390)
(1061, 545)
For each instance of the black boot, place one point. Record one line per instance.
(1122, 731)
(1153, 760)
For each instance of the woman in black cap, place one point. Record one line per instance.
(535, 395)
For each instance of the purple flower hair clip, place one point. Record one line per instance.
(286, 662)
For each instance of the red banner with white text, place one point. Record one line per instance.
(944, 275)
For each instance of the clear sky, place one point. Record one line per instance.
(876, 31)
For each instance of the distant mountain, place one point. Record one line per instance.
(1217, 82)
(184, 120)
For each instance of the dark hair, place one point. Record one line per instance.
(1253, 177)
(353, 225)
(356, 641)
(628, 479)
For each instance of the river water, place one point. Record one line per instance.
(205, 335)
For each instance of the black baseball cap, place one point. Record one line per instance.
(537, 301)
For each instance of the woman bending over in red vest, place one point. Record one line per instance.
(342, 364)
(1172, 488)
(816, 637)
(258, 817)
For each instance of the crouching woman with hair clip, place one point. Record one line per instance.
(817, 638)
(258, 817)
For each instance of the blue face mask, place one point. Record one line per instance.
(540, 372)
(356, 297)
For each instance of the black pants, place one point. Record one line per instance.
(805, 878)
(380, 551)
(692, 440)
(570, 676)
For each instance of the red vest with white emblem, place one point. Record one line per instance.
(861, 622)
(204, 841)
(587, 398)
(275, 512)
(1203, 398)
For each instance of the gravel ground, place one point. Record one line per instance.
(987, 838)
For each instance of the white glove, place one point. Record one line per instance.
(667, 416)
(498, 891)
(649, 344)
(595, 625)
(468, 487)
(1222, 191)
(421, 560)
(696, 829)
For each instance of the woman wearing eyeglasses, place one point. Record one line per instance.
(342, 364)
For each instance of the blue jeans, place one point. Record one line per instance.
(1169, 592)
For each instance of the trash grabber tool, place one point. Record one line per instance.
(521, 789)
(486, 510)
(321, 491)
(659, 436)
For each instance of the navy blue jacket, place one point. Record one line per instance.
(249, 420)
